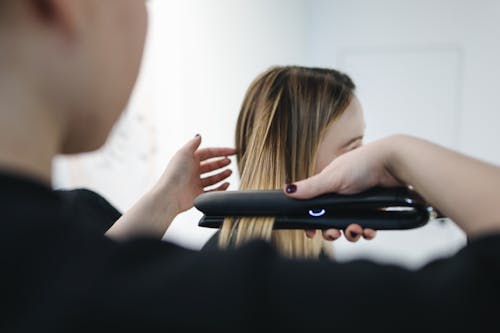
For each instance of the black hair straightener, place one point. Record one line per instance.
(377, 208)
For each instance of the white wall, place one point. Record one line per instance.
(422, 67)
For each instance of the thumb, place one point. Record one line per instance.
(310, 187)
(193, 144)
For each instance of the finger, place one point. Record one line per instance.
(214, 165)
(222, 187)
(207, 153)
(311, 187)
(369, 234)
(353, 232)
(209, 181)
(331, 234)
(310, 233)
(193, 144)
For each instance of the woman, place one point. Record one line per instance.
(293, 122)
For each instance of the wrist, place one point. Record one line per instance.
(163, 207)
(164, 199)
(393, 148)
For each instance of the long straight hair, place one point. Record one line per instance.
(283, 118)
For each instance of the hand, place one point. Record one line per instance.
(183, 178)
(350, 173)
(175, 192)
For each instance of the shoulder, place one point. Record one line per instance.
(89, 208)
(212, 243)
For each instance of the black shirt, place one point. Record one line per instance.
(62, 276)
(88, 209)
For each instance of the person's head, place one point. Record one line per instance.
(78, 60)
(293, 122)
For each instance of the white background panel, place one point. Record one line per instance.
(412, 91)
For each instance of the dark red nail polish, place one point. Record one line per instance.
(291, 188)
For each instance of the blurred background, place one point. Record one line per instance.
(422, 67)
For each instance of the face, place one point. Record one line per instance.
(344, 134)
(110, 51)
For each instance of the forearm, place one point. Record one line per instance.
(150, 216)
(464, 189)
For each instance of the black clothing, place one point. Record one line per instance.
(212, 242)
(89, 209)
(60, 276)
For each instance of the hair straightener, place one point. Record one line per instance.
(377, 208)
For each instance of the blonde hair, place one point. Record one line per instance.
(282, 121)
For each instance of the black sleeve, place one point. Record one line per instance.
(212, 242)
(149, 286)
(88, 209)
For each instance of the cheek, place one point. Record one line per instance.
(126, 46)
(121, 51)
(127, 21)
(134, 22)
(325, 156)
(322, 163)
(139, 29)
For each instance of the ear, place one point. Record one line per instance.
(62, 15)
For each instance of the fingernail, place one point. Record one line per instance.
(354, 234)
(291, 188)
(197, 136)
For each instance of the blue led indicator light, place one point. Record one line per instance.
(317, 213)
